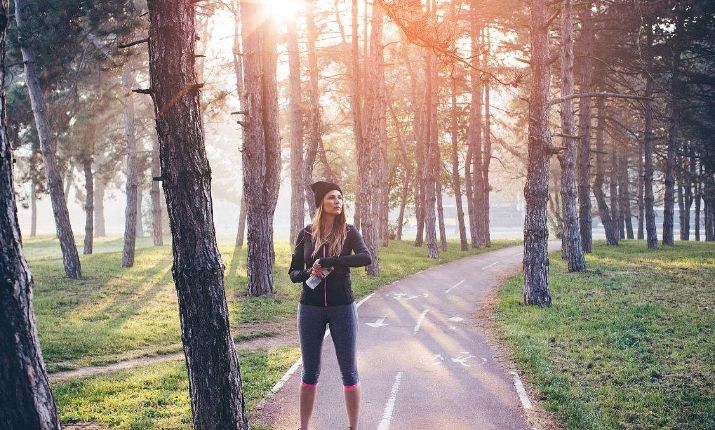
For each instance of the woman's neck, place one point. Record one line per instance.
(327, 224)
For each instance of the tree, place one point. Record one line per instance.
(214, 376)
(70, 257)
(130, 214)
(297, 198)
(261, 145)
(25, 399)
(536, 190)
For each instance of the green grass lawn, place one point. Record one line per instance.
(628, 345)
(112, 314)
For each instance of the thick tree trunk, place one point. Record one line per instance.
(214, 375)
(440, 218)
(25, 398)
(536, 190)
(297, 198)
(486, 160)
(455, 168)
(648, 147)
(156, 222)
(99, 224)
(584, 129)
(603, 211)
(314, 132)
(262, 145)
(70, 255)
(130, 213)
(572, 235)
(88, 204)
(429, 178)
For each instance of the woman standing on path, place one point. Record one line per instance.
(327, 244)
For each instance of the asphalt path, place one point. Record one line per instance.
(423, 361)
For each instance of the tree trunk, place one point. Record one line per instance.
(680, 197)
(698, 199)
(613, 188)
(624, 206)
(99, 224)
(314, 132)
(70, 256)
(455, 168)
(376, 125)
(88, 203)
(213, 369)
(475, 129)
(675, 93)
(241, 231)
(297, 199)
(603, 211)
(431, 148)
(262, 145)
(33, 209)
(357, 113)
(25, 398)
(641, 205)
(418, 126)
(688, 174)
(140, 218)
(440, 218)
(572, 235)
(486, 160)
(648, 147)
(584, 129)
(130, 213)
(408, 172)
(156, 222)
(536, 190)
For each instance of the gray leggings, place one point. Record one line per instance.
(343, 323)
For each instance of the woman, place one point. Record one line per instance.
(328, 243)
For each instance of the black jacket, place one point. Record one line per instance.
(338, 291)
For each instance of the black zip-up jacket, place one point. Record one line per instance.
(336, 288)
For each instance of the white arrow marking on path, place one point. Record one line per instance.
(398, 296)
(456, 319)
(380, 322)
(453, 286)
(387, 415)
(419, 321)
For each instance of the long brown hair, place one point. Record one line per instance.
(336, 237)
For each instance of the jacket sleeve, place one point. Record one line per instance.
(297, 272)
(360, 258)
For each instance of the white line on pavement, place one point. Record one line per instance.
(387, 415)
(419, 321)
(365, 299)
(491, 265)
(453, 286)
(525, 402)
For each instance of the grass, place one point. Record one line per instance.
(113, 314)
(156, 396)
(628, 345)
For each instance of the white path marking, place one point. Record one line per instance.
(419, 321)
(456, 319)
(380, 322)
(387, 415)
(453, 286)
(491, 265)
(364, 299)
(525, 402)
(462, 359)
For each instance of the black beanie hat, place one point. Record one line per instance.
(321, 188)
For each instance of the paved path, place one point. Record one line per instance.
(423, 362)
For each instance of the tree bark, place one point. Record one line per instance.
(613, 188)
(455, 168)
(624, 193)
(536, 190)
(213, 369)
(130, 213)
(603, 211)
(698, 199)
(440, 218)
(675, 93)
(297, 199)
(572, 235)
(641, 205)
(140, 220)
(241, 230)
(70, 255)
(25, 398)
(156, 222)
(586, 40)
(429, 178)
(357, 114)
(243, 105)
(487, 157)
(88, 203)
(33, 209)
(99, 224)
(475, 129)
(314, 132)
(408, 172)
(261, 145)
(648, 147)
